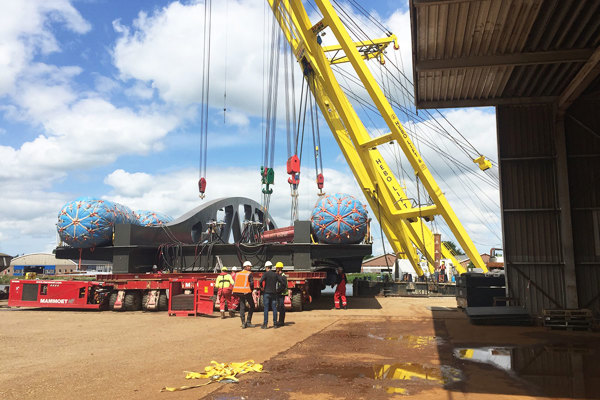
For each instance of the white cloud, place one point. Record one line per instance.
(24, 32)
(176, 193)
(166, 49)
(140, 90)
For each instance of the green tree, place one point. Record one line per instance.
(453, 247)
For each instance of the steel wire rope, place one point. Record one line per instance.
(370, 17)
(460, 145)
(205, 87)
(225, 68)
(419, 191)
(288, 106)
(312, 122)
(357, 26)
(447, 154)
(402, 74)
(319, 149)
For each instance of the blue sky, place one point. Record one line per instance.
(102, 98)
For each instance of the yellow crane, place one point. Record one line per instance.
(402, 223)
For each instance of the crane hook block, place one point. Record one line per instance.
(483, 163)
(268, 176)
(202, 186)
(293, 165)
(294, 179)
(320, 181)
(396, 45)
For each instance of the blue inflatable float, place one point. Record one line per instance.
(339, 218)
(88, 222)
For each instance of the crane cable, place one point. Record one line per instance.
(314, 119)
(350, 23)
(461, 146)
(225, 69)
(205, 97)
(267, 172)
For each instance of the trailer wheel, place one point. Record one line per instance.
(112, 300)
(296, 301)
(163, 301)
(145, 301)
(133, 300)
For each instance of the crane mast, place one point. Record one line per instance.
(403, 224)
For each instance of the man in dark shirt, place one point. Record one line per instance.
(270, 278)
(281, 294)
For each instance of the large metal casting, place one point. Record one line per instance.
(216, 220)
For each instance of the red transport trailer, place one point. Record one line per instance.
(180, 294)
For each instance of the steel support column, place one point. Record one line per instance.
(564, 202)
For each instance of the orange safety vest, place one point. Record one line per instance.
(242, 284)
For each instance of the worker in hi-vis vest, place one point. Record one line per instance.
(244, 283)
(224, 285)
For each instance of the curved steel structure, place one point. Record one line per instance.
(223, 231)
(225, 220)
(205, 221)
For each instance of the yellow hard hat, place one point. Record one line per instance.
(224, 269)
(279, 264)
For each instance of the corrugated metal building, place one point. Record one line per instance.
(48, 264)
(538, 62)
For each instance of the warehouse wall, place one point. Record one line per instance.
(550, 195)
(582, 125)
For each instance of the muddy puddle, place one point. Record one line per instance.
(555, 370)
(411, 341)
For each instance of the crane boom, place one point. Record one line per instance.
(403, 224)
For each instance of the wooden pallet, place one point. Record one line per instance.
(568, 319)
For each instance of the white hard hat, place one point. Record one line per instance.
(268, 264)
(234, 269)
(247, 264)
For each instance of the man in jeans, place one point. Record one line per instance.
(243, 289)
(270, 278)
(282, 293)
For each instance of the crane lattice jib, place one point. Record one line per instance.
(402, 223)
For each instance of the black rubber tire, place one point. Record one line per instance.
(296, 301)
(315, 290)
(261, 304)
(133, 300)
(112, 299)
(145, 301)
(163, 301)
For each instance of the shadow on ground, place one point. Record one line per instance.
(325, 302)
(443, 356)
(531, 361)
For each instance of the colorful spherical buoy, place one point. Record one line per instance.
(339, 218)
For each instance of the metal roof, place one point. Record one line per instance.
(490, 52)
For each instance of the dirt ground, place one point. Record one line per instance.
(380, 348)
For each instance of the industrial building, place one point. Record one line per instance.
(48, 264)
(538, 63)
